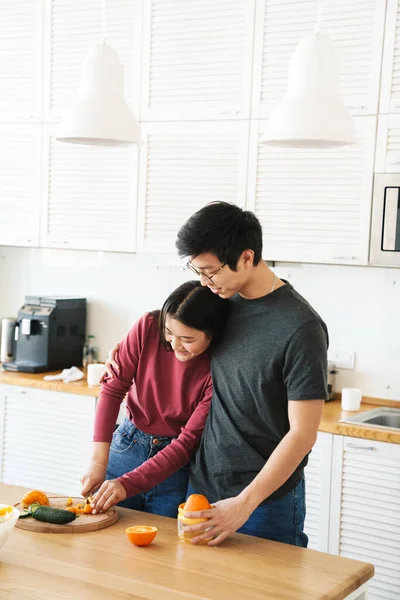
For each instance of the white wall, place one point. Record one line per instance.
(361, 305)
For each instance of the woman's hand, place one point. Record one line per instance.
(110, 493)
(111, 364)
(93, 478)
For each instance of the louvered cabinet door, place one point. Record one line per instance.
(356, 30)
(72, 28)
(47, 439)
(89, 196)
(21, 60)
(369, 513)
(183, 166)
(390, 83)
(20, 155)
(197, 57)
(387, 158)
(318, 481)
(314, 205)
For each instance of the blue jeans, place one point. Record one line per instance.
(130, 448)
(281, 520)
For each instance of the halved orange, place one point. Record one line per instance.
(141, 535)
(197, 502)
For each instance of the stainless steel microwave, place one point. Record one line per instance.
(385, 225)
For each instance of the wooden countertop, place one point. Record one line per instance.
(103, 564)
(35, 380)
(330, 422)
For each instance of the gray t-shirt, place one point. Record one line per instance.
(274, 350)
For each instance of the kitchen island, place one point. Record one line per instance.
(103, 565)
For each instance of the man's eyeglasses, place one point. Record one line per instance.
(200, 273)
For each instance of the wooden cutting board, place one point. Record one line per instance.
(82, 523)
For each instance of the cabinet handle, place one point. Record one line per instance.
(356, 106)
(357, 447)
(394, 162)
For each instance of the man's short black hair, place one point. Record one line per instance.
(223, 229)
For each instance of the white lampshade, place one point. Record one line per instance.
(100, 115)
(312, 113)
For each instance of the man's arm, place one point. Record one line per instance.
(230, 514)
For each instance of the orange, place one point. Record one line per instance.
(141, 535)
(197, 502)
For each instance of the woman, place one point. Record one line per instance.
(164, 368)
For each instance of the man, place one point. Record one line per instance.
(269, 376)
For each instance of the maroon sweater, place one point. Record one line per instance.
(165, 397)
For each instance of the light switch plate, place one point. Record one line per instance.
(344, 360)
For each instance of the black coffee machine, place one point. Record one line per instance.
(49, 334)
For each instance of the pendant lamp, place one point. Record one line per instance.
(312, 113)
(100, 115)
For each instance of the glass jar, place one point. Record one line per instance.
(185, 522)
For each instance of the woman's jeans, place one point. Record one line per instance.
(130, 448)
(281, 520)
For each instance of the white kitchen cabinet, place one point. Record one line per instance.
(387, 158)
(318, 482)
(365, 509)
(197, 59)
(390, 83)
(20, 181)
(356, 30)
(89, 196)
(183, 166)
(21, 47)
(72, 28)
(45, 438)
(314, 206)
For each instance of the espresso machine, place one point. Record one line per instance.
(49, 334)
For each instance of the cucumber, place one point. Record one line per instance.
(24, 514)
(58, 516)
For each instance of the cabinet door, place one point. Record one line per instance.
(21, 33)
(365, 510)
(388, 144)
(197, 59)
(46, 440)
(314, 206)
(89, 196)
(20, 152)
(390, 83)
(318, 479)
(183, 166)
(356, 30)
(72, 28)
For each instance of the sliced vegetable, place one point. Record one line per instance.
(24, 514)
(33, 507)
(57, 516)
(34, 497)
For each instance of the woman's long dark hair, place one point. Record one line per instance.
(195, 306)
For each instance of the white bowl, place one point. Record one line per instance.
(7, 526)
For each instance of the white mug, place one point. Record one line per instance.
(94, 373)
(351, 399)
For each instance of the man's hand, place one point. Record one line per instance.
(110, 493)
(225, 518)
(111, 364)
